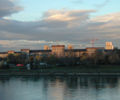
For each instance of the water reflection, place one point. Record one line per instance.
(60, 88)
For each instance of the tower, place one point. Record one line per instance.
(70, 47)
(46, 47)
(109, 46)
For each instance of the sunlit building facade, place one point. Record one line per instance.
(109, 46)
(60, 51)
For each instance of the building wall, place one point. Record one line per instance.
(58, 50)
(41, 53)
(93, 50)
(69, 53)
(79, 53)
(3, 55)
(109, 46)
(25, 50)
(74, 53)
(11, 52)
(70, 47)
(46, 47)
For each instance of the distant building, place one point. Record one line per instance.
(3, 54)
(11, 52)
(25, 51)
(93, 50)
(58, 50)
(40, 52)
(46, 47)
(70, 47)
(74, 52)
(109, 46)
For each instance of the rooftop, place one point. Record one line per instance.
(58, 45)
(33, 51)
(75, 50)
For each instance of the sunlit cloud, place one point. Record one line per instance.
(56, 25)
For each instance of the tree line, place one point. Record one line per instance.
(98, 58)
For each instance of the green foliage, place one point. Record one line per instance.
(97, 58)
(100, 58)
(1, 64)
(17, 59)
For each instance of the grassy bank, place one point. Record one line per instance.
(71, 70)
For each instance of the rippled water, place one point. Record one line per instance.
(60, 88)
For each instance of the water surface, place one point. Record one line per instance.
(60, 88)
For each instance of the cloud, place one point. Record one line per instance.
(67, 15)
(111, 22)
(108, 17)
(7, 7)
(32, 44)
(67, 18)
(60, 25)
(47, 28)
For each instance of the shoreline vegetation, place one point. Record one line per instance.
(99, 63)
(64, 71)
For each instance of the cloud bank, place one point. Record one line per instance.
(74, 26)
(7, 7)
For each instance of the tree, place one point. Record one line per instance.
(84, 58)
(11, 59)
(21, 58)
(114, 58)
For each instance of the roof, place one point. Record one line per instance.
(95, 48)
(25, 49)
(34, 51)
(76, 50)
(58, 45)
(18, 52)
(3, 52)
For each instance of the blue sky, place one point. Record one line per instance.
(34, 9)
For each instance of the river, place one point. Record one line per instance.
(60, 88)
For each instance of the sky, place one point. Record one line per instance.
(34, 10)
(34, 23)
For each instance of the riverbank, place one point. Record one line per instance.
(58, 74)
(62, 71)
(34, 73)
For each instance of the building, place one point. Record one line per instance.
(70, 47)
(3, 54)
(74, 52)
(58, 50)
(46, 47)
(109, 46)
(25, 51)
(11, 52)
(40, 52)
(92, 50)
